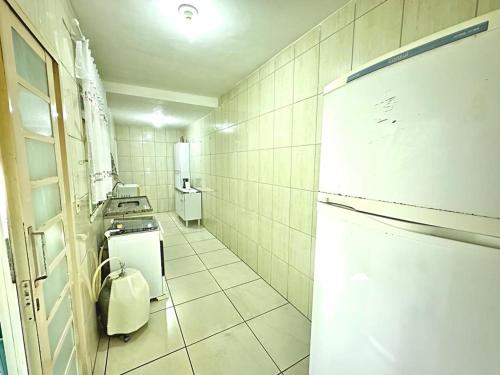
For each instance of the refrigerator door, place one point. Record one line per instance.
(430, 141)
(389, 301)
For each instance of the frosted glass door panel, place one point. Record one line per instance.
(41, 159)
(54, 284)
(59, 322)
(54, 239)
(46, 203)
(64, 356)
(72, 370)
(35, 113)
(28, 64)
(388, 301)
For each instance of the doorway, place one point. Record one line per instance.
(37, 208)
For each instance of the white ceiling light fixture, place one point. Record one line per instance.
(188, 12)
(158, 119)
(193, 19)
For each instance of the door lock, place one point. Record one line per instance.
(27, 300)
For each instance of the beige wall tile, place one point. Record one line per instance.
(267, 94)
(425, 17)
(253, 78)
(253, 166)
(279, 275)
(264, 264)
(284, 85)
(252, 255)
(122, 133)
(308, 41)
(266, 131)
(363, 6)
(123, 148)
(281, 205)
(243, 106)
(306, 70)
(486, 6)
(283, 127)
(265, 232)
(148, 134)
(242, 165)
(253, 196)
(282, 166)
(266, 171)
(284, 57)
(148, 148)
(298, 290)
(338, 20)
(300, 251)
(304, 122)
(377, 32)
(160, 135)
(267, 68)
(253, 131)
(254, 101)
(319, 119)
(303, 167)
(135, 134)
(281, 235)
(335, 56)
(301, 210)
(266, 200)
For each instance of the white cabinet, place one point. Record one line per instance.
(188, 204)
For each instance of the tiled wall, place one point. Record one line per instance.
(49, 21)
(146, 157)
(257, 155)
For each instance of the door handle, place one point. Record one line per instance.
(38, 238)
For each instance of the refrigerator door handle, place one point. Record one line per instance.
(421, 228)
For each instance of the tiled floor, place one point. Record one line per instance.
(221, 318)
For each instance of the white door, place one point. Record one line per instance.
(390, 301)
(35, 191)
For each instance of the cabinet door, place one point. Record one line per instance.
(179, 204)
(192, 206)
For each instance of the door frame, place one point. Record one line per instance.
(19, 239)
(10, 316)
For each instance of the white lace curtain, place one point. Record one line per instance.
(97, 123)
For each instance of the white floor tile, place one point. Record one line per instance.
(192, 228)
(254, 298)
(176, 363)
(301, 368)
(160, 337)
(183, 266)
(206, 316)
(207, 245)
(175, 239)
(199, 236)
(193, 286)
(178, 251)
(218, 258)
(285, 333)
(160, 305)
(233, 274)
(232, 352)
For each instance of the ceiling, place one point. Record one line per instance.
(143, 43)
(132, 110)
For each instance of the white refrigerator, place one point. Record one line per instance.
(181, 164)
(407, 262)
